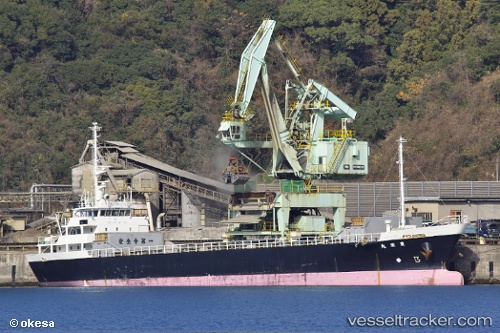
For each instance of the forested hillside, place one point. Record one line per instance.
(158, 73)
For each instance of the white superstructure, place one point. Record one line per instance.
(97, 223)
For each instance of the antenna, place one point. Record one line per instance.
(402, 222)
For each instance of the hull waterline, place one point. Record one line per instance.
(432, 277)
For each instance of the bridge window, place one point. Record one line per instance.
(84, 213)
(125, 212)
(235, 131)
(88, 213)
(74, 231)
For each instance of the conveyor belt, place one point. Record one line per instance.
(173, 177)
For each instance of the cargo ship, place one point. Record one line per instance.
(113, 243)
(297, 236)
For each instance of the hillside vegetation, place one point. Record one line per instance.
(157, 74)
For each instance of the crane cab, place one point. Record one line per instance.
(232, 131)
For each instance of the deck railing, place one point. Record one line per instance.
(361, 239)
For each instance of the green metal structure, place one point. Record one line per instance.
(302, 150)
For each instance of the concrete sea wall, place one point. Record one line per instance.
(478, 263)
(14, 268)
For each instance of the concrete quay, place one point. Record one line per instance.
(14, 268)
(478, 263)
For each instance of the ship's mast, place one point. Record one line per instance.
(402, 221)
(97, 191)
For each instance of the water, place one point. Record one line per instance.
(251, 309)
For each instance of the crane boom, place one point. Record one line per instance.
(252, 60)
(301, 147)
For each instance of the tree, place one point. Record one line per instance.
(440, 25)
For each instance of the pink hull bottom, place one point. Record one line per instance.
(432, 277)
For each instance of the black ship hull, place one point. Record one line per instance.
(396, 262)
